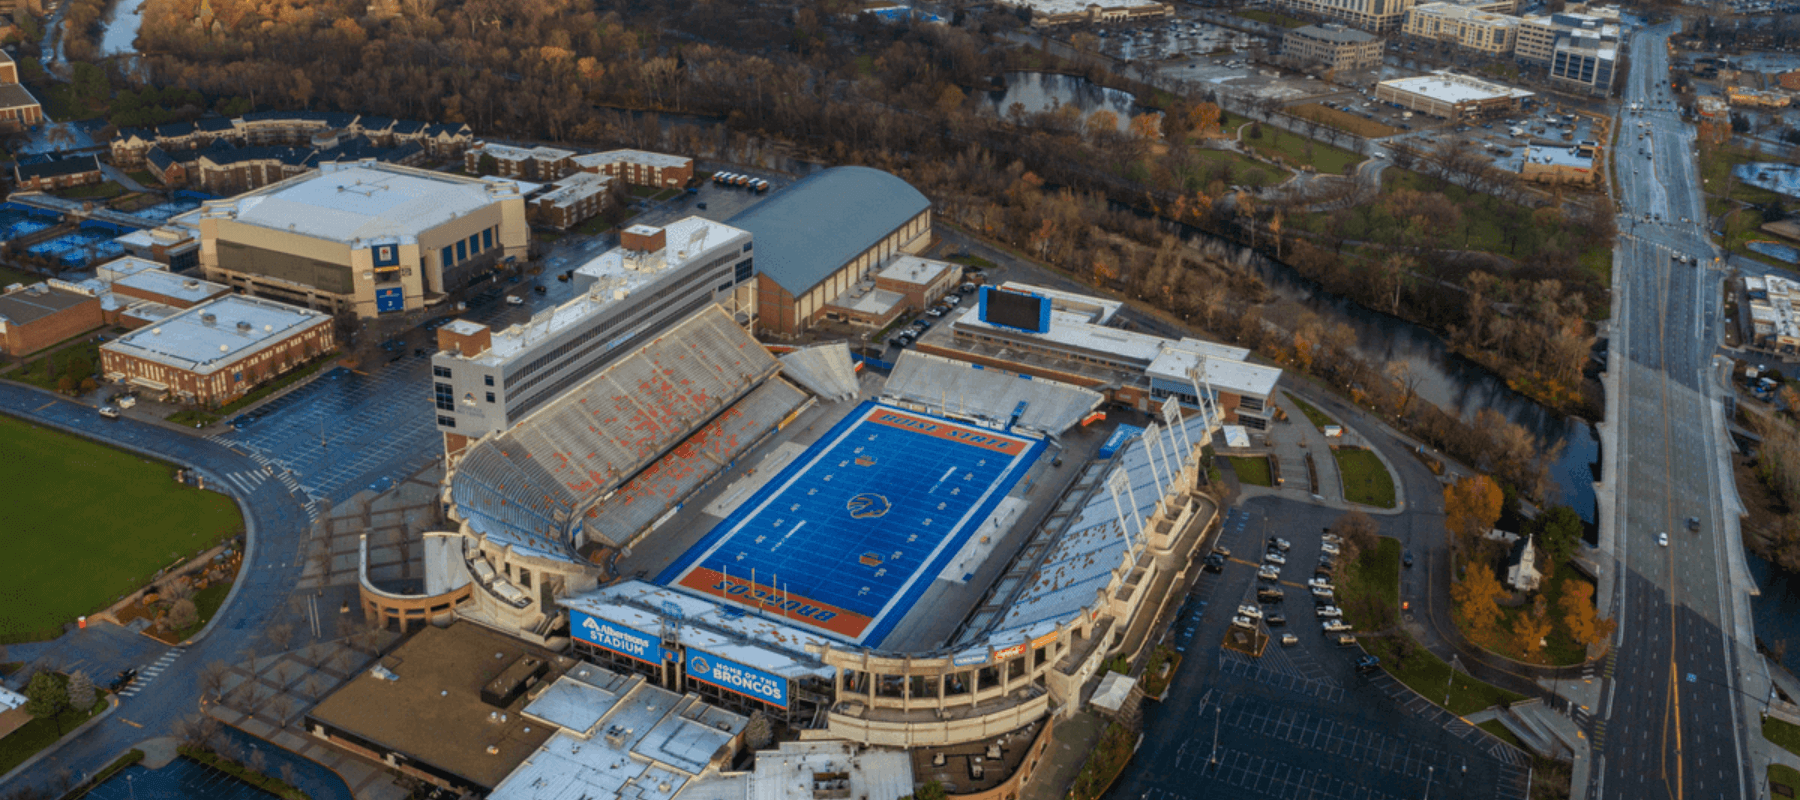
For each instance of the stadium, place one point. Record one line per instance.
(899, 560)
(932, 552)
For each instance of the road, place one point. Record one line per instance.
(1674, 721)
(276, 516)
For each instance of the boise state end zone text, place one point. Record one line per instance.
(955, 433)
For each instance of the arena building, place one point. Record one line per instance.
(824, 236)
(364, 238)
(485, 381)
(1072, 12)
(1447, 95)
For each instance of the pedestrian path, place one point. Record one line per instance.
(147, 675)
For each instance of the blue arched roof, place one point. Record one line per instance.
(813, 228)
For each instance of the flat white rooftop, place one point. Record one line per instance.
(1558, 156)
(913, 269)
(617, 273)
(1056, 7)
(240, 326)
(1449, 87)
(1223, 374)
(1072, 331)
(787, 773)
(168, 284)
(354, 203)
(644, 157)
(574, 189)
(511, 153)
(1098, 310)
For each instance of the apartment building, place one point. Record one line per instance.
(1482, 31)
(639, 167)
(1377, 16)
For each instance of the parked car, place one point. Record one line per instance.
(1336, 626)
(1276, 620)
(1275, 557)
(1289, 640)
(1250, 611)
(1269, 573)
(1213, 564)
(1279, 543)
(127, 401)
(1366, 664)
(109, 412)
(1271, 596)
(1328, 612)
(1406, 557)
(1243, 622)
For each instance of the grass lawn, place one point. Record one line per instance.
(68, 361)
(100, 524)
(1252, 470)
(1318, 418)
(41, 733)
(1294, 149)
(1366, 479)
(1716, 164)
(1785, 734)
(971, 261)
(1272, 18)
(10, 276)
(103, 190)
(286, 379)
(1375, 574)
(1342, 120)
(1494, 727)
(1428, 675)
(143, 177)
(1562, 649)
(1784, 775)
(1598, 262)
(604, 221)
(643, 191)
(1244, 169)
(193, 417)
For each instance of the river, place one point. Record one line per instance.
(118, 35)
(1037, 92)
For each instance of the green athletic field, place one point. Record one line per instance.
(82, 524)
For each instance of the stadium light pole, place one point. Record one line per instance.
(1217, 710)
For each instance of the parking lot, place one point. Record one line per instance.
(1299, 721)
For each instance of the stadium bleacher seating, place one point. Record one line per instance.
(958, 388)
(522, 487)
(652, 492)
(1092, 546)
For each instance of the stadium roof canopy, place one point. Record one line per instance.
(813, 228)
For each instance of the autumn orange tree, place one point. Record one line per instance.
(1471, 507)
(1474, 599)
(1584, 621)
(1529, 630)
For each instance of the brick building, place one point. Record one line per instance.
(639, 167)
(543, 164)
(18, 109)
(823, 236)
(42, 314)
(572, 200)
(218, 351)
(55, 174)
(131, 146)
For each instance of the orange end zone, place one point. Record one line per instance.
(945, 430)
(795, 608)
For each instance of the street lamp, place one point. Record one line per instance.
(1217, 710)
(1428, 773)
(130, 783)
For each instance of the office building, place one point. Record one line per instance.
(1447, 95)
(486, 380)
(1331, 46)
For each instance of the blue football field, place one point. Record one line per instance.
(846, 539)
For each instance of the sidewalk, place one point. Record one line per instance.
(1071, 742)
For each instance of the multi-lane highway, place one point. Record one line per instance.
(1670, 722)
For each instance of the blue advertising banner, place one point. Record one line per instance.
(734, 677)
(614, 637)
(1118, 439)
(970, 658)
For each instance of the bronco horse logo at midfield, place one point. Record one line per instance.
(867, 506)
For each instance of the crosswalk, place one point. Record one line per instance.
(147, 675)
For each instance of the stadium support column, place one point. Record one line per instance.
(1209, 402)
(1150, 439)
(1120, 482)
(1171, 417)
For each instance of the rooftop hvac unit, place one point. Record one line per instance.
(208, 319)
(243, 327)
